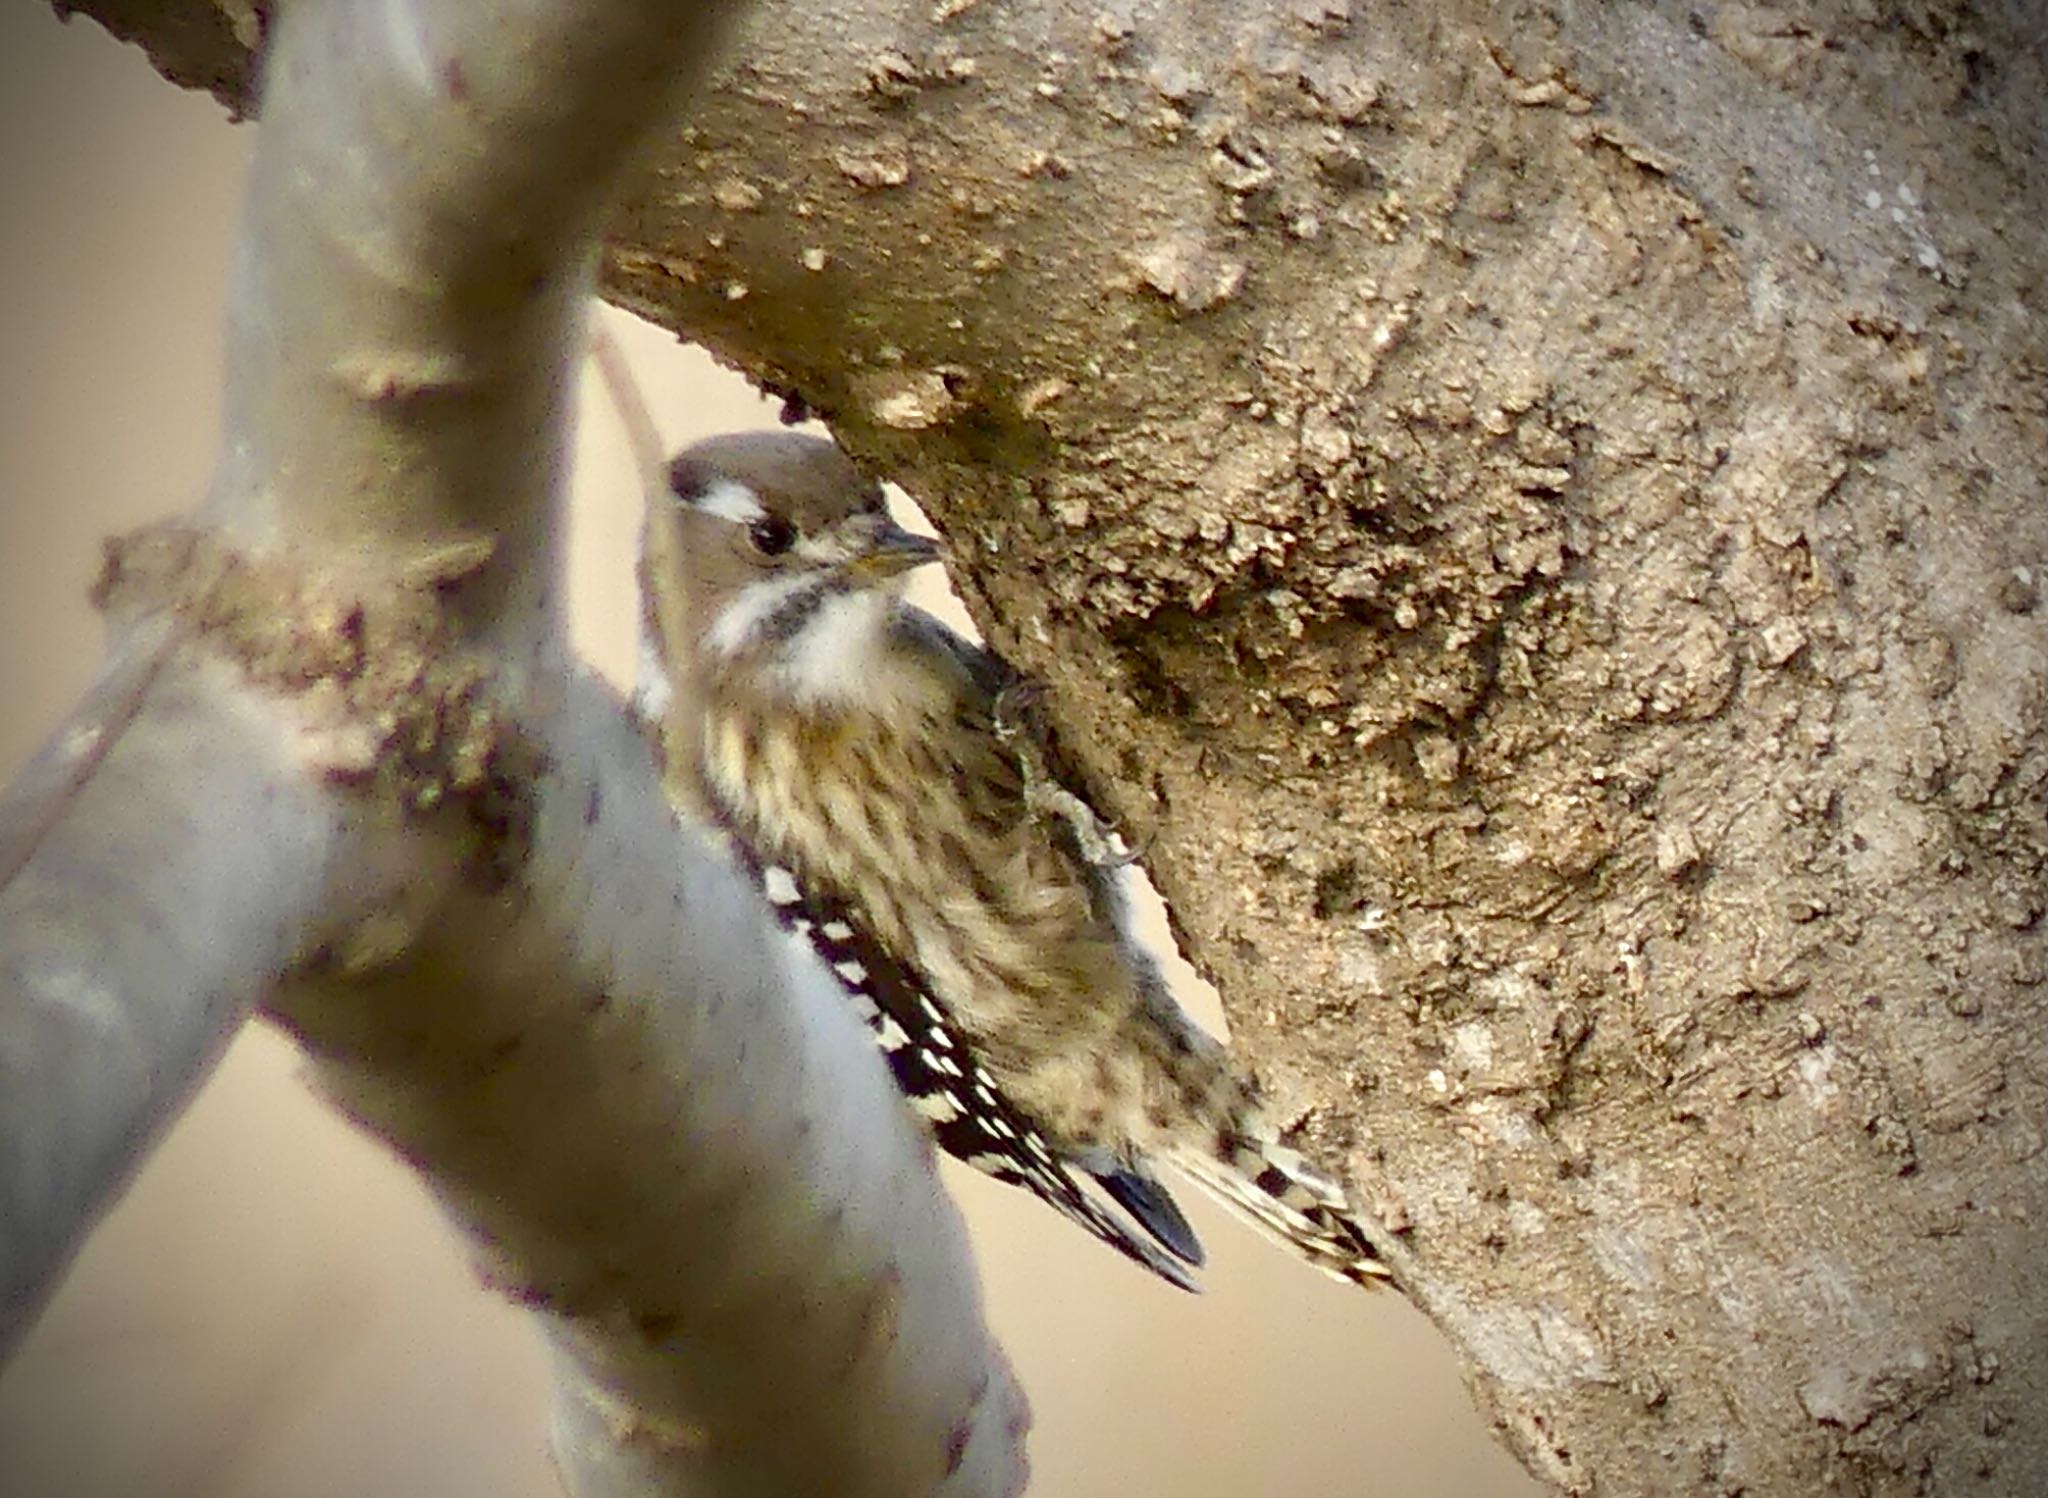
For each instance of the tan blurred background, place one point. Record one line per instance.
(274, 1310)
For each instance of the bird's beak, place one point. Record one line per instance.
(894, 550)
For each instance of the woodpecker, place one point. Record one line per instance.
(893, 791)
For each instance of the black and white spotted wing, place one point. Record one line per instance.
(937, 1073)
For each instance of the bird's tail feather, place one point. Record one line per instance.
(1276, 1189)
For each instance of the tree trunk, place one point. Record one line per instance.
(1533, 518)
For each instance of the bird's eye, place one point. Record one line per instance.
(771, 535)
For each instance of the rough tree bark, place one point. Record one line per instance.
(1534, 518)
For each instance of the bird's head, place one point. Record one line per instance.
(771, 557)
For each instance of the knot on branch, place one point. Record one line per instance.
(394, 699)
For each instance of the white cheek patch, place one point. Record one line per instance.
(839, 654)
(757, 603)
(729, 499)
